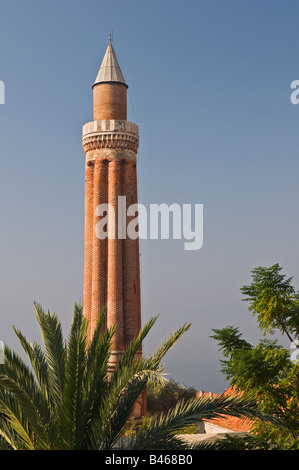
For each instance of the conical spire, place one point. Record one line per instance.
(110, 70)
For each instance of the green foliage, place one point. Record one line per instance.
(233, 442)
(165, 396)
(274, 300)
(68, 400)
(133, 428)
(161, 432)
(266, 370)
(191, 429)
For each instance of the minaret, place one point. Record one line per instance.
(111, 263)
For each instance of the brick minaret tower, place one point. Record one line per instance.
(111, 264)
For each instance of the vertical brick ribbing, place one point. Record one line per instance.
(131, 273)
(137, 261)
(142, 399)
(88, 241)
(129, 261)
(115, 268)
(99, 262)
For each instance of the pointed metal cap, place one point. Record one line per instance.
(110, 70)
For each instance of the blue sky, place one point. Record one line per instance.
(209, 87)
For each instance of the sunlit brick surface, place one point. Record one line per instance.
(111, 266)
(110, 101)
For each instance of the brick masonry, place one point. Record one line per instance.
(110, 101)
(111, 266)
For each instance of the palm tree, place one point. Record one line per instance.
(67, 400)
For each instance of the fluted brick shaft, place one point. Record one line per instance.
(88, 243)
(130, 274)
(137, 261)
(115, 264)
(99, 252)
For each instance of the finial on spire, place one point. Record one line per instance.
(110, 70)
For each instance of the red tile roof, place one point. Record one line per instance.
(228, 422)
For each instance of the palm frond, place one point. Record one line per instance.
(133, 374)
(95, 385)
(133, 347)
(156, 358)
(124, 409)
(16, 421)
(37, 360)
(218, 444)
(17, 380)
(71, 406)
(54, 352)
(156, 436)
(93, 346)
(74, 402)
(29, 411)
(150, 363)
(7, 435)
